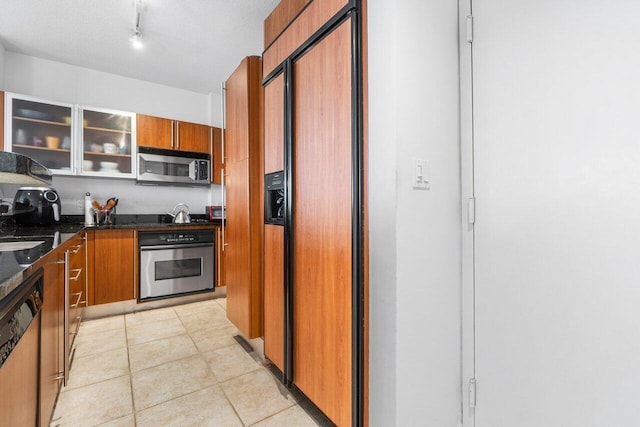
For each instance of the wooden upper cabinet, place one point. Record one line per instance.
(170, 134)
(216, 156)
(192, 137)
(280, 17)
(312, 18)
(1, 121)
(154, 132)
(243, 107)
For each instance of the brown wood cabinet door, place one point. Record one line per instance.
(322, 225)
(51, 335)
(244, 169)
(274, 294)
(114, 279)
(237, 251)
(244, 98)
(193, 137)
(154, 132)
(274, 125)
(216, 156)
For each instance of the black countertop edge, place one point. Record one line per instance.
(17, 265)
(129, 220)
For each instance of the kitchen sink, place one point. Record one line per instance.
(19, 245)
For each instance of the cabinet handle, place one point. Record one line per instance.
(77, 272)
(76, 249)
(79, 294)
(223, 98)
(66, 355)
(224, 206)
(178, 135)
(172, 134)
(86, 266)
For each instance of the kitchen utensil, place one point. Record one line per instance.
(96, 148)
(111, 203)
(52, 142)
(180, 214)
(110, 148)
(32, 114)
(21, 136)
(87, 165)
(109, 165)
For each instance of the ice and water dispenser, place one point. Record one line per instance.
(274, 198)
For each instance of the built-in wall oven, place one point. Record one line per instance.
(174, 263)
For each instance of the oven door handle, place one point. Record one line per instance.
(184, 246)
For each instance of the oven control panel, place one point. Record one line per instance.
(175, 238)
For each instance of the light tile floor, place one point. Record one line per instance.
(175, 366)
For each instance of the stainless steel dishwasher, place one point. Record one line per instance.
(19, 352)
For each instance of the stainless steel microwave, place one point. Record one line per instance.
(159, 166)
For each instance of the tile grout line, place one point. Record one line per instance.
(133, 400)
(201, 354)
(224, 393)
(218, 383)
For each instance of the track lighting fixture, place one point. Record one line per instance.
(136, 38)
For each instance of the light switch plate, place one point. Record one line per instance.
(421, 174)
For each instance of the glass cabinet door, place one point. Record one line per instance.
(42, 131)
(108, 143)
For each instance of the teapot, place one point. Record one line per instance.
(180, 214)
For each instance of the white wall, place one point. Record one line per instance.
(415, 236)
(67, 83)
(2, 54)
(56, 81)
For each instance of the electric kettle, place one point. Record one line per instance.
(36, 206)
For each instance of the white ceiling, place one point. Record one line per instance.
(189, 44)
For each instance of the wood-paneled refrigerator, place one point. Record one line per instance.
(314, 265)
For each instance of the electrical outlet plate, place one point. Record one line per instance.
(421, 174)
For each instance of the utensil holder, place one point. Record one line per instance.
(106, 217)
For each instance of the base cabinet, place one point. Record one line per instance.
(113, 259)
(52, 335)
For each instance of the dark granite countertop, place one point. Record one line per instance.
(16, 263)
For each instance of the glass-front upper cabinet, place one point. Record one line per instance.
(108, 143)
(41, 130)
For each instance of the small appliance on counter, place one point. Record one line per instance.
(215, 213)
(180, 214)
(36, 206)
